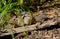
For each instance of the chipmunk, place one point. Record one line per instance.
(30, 18)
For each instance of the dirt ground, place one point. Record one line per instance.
(52, 32)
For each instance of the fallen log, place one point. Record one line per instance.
(30, 28)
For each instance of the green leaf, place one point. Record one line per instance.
(4, 2)
(20, 2)
(9, 1)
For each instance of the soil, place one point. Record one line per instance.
(51, 32)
